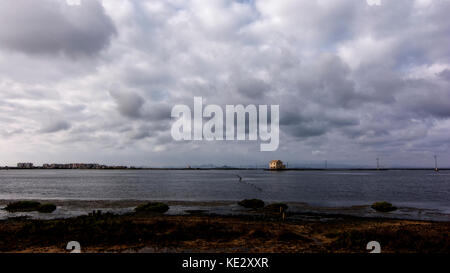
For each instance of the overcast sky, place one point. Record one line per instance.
(355, 80)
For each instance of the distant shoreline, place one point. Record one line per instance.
(234, 169)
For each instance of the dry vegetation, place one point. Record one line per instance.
(161, 233)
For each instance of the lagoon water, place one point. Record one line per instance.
(417, 189)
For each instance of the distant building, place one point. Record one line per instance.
(25, 165)
(276, 165)
(81, 166)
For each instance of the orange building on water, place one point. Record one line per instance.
(276, 165)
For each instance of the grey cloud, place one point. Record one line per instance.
(417, 36)
(164, 139)
(128, 104)
(336, 21)
(141, 133)
(378, 84)
(445, 74)
(7, 133)
(334, 84)
(304, 124)
(250, 87)
(134, 106)
(56, 126)
(157, 112)
(435, 102)
(305, 130)
(148, 130)
(53, 27)
(437, 106)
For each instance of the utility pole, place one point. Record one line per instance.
(326, 164)
(435, 163)
(378, 163)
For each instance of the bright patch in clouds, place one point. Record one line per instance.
(74, 2)
(374, 2)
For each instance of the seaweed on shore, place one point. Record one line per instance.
(26, 206)
(383, 206)
(46, 208)
(251, 203)
(157, 207)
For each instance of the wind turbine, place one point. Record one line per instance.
(435, 164)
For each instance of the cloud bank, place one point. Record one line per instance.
(97, 81)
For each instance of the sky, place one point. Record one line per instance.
(95, 81)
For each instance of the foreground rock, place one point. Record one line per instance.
(383, 207)
(46, 208)
(251, 203)
(26, 206)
